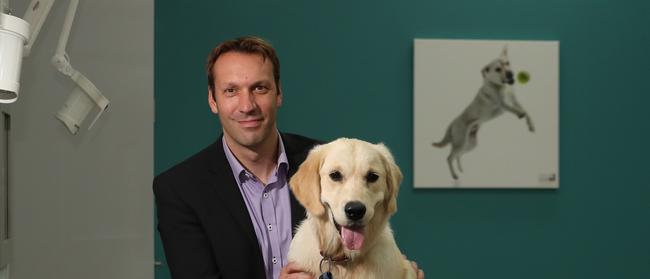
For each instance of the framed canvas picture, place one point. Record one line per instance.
(486, 114)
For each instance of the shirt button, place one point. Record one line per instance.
(269, 227)
(275, 261)
(266, 195)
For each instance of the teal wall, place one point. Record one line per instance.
(347, 71)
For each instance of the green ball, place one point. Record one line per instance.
(523, 77)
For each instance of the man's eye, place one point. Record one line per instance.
(229, 90)
(336, 176)
(498, 70)
(260, 89)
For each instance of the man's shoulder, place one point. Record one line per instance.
(193, 167)
(298, 143)
(297, 147)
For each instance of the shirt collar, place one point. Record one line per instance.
(238, 170)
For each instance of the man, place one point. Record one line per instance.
(227, 212)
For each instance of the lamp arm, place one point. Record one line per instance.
(67, 25)
(61, 62)
(35, 15)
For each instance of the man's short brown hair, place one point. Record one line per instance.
(249, 45)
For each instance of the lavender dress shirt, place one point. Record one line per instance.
(269, 208)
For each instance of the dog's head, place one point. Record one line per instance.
(498, 72)
(351, 183)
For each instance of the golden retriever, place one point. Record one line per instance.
(349, 189)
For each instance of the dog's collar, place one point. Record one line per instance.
(337, 259)
(331, 260)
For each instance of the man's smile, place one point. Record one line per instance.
(250, 123)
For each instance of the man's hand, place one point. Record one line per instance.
(292, 271)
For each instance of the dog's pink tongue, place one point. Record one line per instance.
(352, 238)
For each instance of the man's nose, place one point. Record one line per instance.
(247, 102)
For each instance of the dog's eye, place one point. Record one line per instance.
(498, 70)
(336, 176)
(371, 177)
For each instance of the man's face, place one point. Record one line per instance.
(247, 98)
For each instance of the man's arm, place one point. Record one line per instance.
(187, 248)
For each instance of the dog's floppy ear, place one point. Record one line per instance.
(393, 178)
(485, 70)
(305, 183)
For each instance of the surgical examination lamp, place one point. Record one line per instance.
(17, 36)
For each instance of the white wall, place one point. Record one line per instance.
(82, 206)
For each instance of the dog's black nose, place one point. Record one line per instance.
(510, 79)
(355, 210)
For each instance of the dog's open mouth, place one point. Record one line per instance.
(351, 236)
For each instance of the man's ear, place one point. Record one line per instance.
(305, 183)
(212, 101)
(393, 178)
(278, 100)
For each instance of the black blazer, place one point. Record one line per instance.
(202, 218)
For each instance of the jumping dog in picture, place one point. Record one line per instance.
(495, 96)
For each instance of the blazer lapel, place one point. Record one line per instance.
(227, 192)
(295, 159)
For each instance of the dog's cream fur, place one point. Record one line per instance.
(495, 96)
(325, 197)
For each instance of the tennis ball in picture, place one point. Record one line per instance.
(523, 77)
